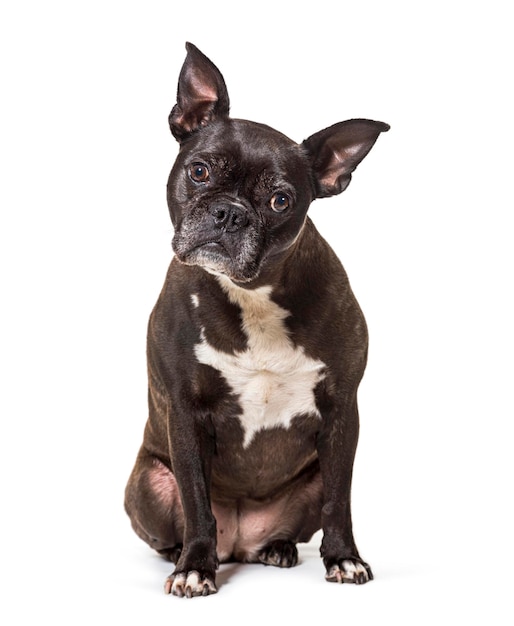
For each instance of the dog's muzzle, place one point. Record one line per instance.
(224, 236)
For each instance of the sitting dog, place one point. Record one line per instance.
(256, 348)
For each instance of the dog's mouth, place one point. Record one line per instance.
(236, 258)
(211, 255)
(193, 254)
(211, 247)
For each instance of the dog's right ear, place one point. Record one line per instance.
(202, 95)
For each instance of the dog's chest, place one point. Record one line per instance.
(273, 379)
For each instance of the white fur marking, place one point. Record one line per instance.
(195, 300)
(189, 584)
(349, 571)
(274, 380)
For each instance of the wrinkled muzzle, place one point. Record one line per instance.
(224, 236)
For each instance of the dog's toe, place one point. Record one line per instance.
(349, 571)
(281, 553)
(189, 585)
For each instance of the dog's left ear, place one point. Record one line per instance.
(202, 95)
(336, 151)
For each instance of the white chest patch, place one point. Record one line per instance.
(274, 380)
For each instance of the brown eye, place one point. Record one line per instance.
(280, 202)
(199, 173)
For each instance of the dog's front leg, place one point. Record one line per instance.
(336, 449)
(191, 450)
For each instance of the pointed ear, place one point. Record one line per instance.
(336, 151)
(202, 95)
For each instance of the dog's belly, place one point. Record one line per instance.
(273, 379)
(246, 526)
(242, 533)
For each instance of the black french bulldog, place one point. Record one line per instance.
(256, 348)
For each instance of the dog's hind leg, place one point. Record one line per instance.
(281, 553)
(152, 502)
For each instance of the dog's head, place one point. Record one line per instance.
(239, 191)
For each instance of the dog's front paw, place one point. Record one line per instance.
(349, 571)
(190, 584)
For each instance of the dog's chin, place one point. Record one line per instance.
(215, 259)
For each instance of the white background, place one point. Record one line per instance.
(424, 231)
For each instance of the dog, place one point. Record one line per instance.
(256, 347)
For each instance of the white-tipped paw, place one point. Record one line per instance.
(349, 571)
(189, 585)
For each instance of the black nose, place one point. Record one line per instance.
(230, 217)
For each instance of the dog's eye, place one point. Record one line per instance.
(199, 173)
(280, 202)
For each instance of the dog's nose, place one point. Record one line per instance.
(230, 217)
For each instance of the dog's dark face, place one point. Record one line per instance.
(238, 195)
(239, 191)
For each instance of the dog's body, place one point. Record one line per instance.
(256, 348)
